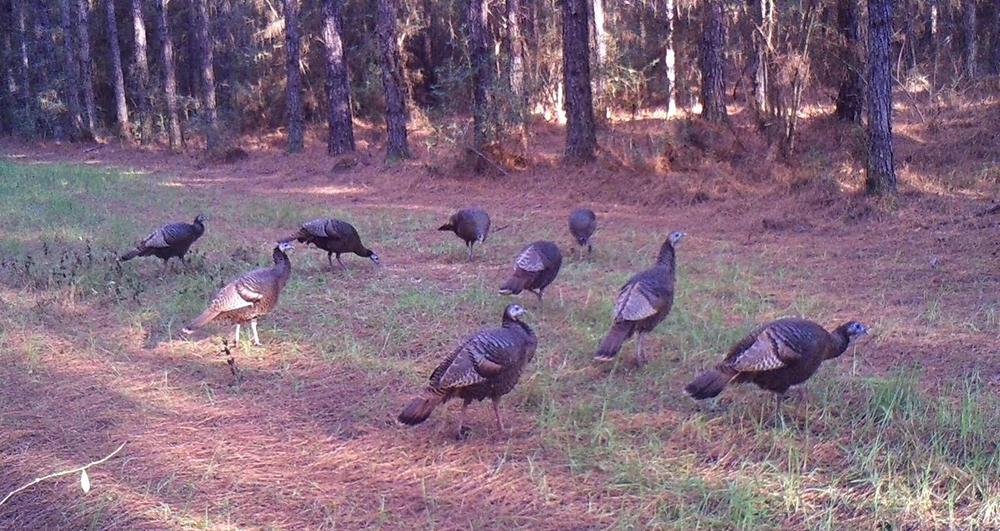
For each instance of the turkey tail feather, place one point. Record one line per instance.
(130, 255)
(613, 341)
(201, 320)
(710, 383)
(447, 226)
(420, 408)
(513, 285)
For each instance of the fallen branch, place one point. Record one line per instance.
(61, 473)
(487, 159)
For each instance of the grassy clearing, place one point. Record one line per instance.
(623, 449)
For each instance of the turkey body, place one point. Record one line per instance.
(248, 297)
(582, 224)
(472, 225)
(535, 267)
(169, 241)
(486, 365)
(776, 356)
(643, 303)
(334, 236)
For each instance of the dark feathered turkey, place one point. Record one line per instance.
(776, 356)
(582, 224)
(535, 267)
(643, 302)
(486, 365)
(335, 237)
(470, 224)
(168, 241)
(248, 297)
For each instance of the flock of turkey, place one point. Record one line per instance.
(488, 364)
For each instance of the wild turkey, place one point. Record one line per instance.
(470, 224)
(642, 303)
(248, 297)
(486, 365)
(535, 267)
(168, 241)
(335, 237)
(582, 224)
(776, 356)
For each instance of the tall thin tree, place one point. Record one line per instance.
(206, 63)
(881, 174)
(169, 75)
(670, 59)
(71, 69)
(26, 100)
(117, 77)
(762, 37)
(581, 137)
(483, 124)
(514, 45)
(712, 48)
(338, 85)
(850, 96)
(293, 81)
(396, 115)
(86, 67)
(600, 70)
(969, 38)
(140, 72)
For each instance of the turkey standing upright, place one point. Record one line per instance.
(470, 224)
(582, 224)
(168, 241)
(335, 237)
(248, 297)
(535, 267)
(776, 356)
(643, 302)
(486, 365)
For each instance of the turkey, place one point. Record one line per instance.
(582, 224)
(335, 237)
(642, 303)
(248, 297)
(776, 356)
(168, 241)
(486, 365)
(470, 224)
(535, 267)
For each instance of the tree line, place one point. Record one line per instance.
(148, 71)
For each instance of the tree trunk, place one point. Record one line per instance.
(71, 67)
(169, 75)
(293, 83)
(762, 38)
(600, 73)
(670, 60)
(850, 97)
(26, 99)
(338, 84)
(8, 92)
(995, 59)
(881, 176)
(117, 77)
(396, 114)
(140, 73)
(969, 38)
(515, 73)
(483, 126)
(712, 44)
(581, 139)
(206, 56)
(86, 67)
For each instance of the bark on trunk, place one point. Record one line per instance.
(712, 43)
(881, 176)
(117, 76)
(293, 83)
(207, 59)
(140, 73)
(581, 139)
(995, 59)
(86, 67)
(762, 38)
(71, 68)
(599, 71)
(25, 99)
(338, 86)
(483, 126)
(670, 60)
(969, 38)
(396, 116)
(515, 73)
(850, 97)
(169, 75)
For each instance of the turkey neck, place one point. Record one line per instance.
(666, 257)
(282, 265)
(840, 341)
(511, 322)
(199, 227)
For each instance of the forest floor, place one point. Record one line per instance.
(899, 433)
